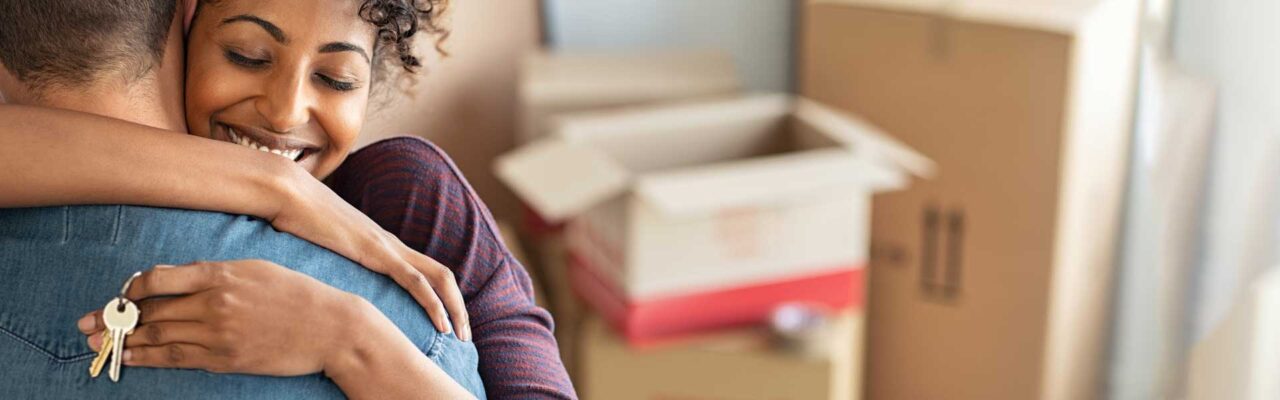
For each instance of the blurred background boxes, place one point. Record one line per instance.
(554, 82)
(738, 365)
(992, 281)
(700, 215)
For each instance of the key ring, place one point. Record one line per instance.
(125, 289)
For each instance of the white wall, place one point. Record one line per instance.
(1165, 306)
(1236, 43)
(758, 33)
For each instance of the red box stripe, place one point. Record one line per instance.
(648, 321)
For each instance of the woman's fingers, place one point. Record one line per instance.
(419, 286)
(167, 280)
(186, 308)
(161, 333)
(173, 355)
(446, 286)
(91, 323)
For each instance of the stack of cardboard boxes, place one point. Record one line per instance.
(681, 221)
(555, 84)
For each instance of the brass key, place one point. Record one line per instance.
(95, 368)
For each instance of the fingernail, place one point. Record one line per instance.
(164, 266)
(128, 355)
(466, 333)
(85, 323)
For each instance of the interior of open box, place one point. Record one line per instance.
(657, 148)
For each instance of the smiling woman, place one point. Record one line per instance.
(294, 79)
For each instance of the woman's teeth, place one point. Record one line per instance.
(250, 143)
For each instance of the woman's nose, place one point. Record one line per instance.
(286, 104)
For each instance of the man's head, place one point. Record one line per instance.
(70, 44)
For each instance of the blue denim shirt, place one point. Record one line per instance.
(58, 263)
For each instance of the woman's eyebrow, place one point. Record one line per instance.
(271, 28)
(344, 46)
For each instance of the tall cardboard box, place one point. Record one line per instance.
(991, 281)
(738, 365)
(764, 198)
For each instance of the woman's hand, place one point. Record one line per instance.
(246, 316)
(313, 212)
(256, 317)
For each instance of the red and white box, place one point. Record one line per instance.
(746, 195)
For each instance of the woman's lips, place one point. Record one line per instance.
(247, 137)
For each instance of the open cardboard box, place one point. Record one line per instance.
(743, 194)
(685, 198)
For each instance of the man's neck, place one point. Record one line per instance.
(138, 101)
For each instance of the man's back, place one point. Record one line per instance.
(58, 263)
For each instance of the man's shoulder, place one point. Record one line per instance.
(114, 222)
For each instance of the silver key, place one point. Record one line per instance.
(120, 319)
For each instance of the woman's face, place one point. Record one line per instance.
(287, 77)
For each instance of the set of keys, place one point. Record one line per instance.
(120, 316)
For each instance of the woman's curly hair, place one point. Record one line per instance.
(397, 23)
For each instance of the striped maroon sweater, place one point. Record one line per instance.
(412, 189)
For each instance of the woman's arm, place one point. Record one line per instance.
(411, 188)
(256, 317)
(58, 157)
(381, 363)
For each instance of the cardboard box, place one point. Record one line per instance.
(554, 83)
(731, 366)
(996, 276)
(680, 199)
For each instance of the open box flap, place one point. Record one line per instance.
(560, 179)
(639, 122)
(770, 180)
(864, 139)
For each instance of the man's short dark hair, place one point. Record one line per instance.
(71, 43)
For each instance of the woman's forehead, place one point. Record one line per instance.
(301, 20)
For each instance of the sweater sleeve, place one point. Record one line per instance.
(412, 189)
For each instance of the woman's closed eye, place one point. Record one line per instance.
(245, 61)
(336, 84)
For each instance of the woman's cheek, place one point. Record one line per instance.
(347, 118)
(211, 89)
(342, 118)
